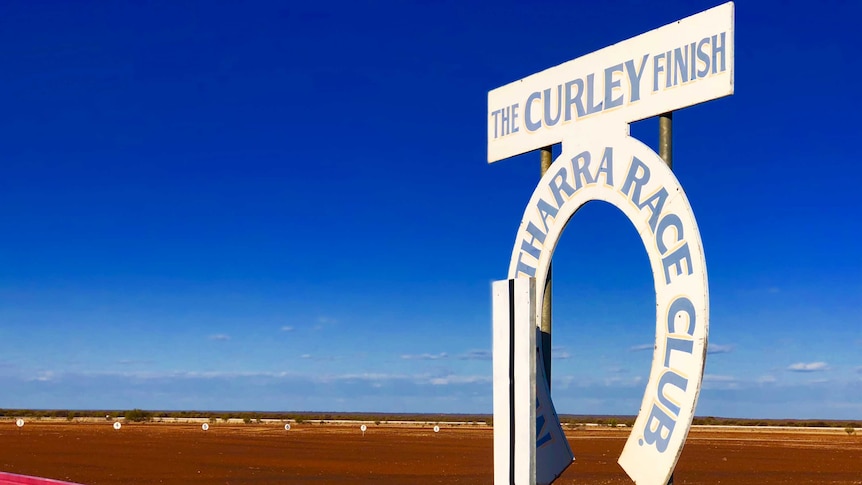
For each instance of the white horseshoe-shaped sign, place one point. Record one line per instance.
(627, 174)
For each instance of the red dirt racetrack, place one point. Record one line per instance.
(182, 454)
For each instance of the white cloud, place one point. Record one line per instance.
(133, 362)
(287, 328)
(638, 348)
(453, 379)
(305, 356)
(441, 355)
(322, 322)
(561, 355)
(44, 376)
(476, 355)
(718, 378)
(624, 382)
(219, 337)
(719, 349)
(808, 367)
(766, 379)
(720, 382)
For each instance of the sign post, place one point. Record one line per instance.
(547, 306)
(587, 104)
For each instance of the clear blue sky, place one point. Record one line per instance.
(285, 206)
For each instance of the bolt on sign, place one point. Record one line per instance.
(587, 104)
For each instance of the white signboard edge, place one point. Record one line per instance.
(508, 134)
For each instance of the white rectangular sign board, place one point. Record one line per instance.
(684, 63)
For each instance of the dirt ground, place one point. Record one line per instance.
(153, 453)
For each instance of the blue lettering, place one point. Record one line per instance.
(582, 169)
(703, 57)
(635, 78)
(675, 260)
(529, 246)
(667, 221)
(676, 380)
(505, 120)
(655, 204)
(528, 121)
(610, 84)
(495, 114)
(693, 63)
(680, 62)
(667, 76)
(548, 120)
(592, 108)
(515, 118)
(561, 186)
(678, 345)
(574, 99)
(637, 177)
(659, 428)
(656, 69)
(716, 50)
(681, 304)
(540, 426)
(607, 166)
(546, 211)
(525, 268)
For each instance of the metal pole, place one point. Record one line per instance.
(545, 326)
(665, 151)
(665, 138)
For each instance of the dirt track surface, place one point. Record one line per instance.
(96, 454)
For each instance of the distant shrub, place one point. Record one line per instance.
(850, 430)
(138, 415)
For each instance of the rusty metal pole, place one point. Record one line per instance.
(545, 327)
(665, 151)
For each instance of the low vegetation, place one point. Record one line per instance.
(139, 415)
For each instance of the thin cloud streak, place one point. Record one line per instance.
(719, 349)
(440, 356)
(808, 367)
(476, 355)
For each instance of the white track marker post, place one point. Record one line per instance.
(363, 428)
(514, 346)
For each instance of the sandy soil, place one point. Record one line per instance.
(96, 454)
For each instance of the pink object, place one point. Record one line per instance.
(14, 479)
